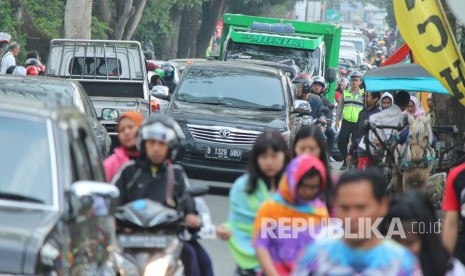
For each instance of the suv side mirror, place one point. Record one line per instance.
(92, 199)
(109, 114)
(160, 92)
(330, 74)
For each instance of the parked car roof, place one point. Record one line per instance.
(40, 88)
(27, 106)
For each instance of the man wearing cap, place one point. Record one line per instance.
(348, 110)
(8, 59)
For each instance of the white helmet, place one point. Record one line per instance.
(160, 128)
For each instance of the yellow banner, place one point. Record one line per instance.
(424, 27)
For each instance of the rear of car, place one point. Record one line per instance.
(222, 107)
(113, 74)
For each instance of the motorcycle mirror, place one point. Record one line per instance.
(331, 74)
(198, 190)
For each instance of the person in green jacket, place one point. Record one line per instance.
(270, 155)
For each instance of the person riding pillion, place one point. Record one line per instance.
(348, 110)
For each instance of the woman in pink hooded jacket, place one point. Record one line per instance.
(128, 125)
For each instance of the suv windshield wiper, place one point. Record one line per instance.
(270, 109)
(17, 197)
(210, 103)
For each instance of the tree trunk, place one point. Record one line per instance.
(35, 38)
(170, 43)
(78, 19)
(105, 11)
(211, 13)
(135, 19)
(188, 32)
(124, 11)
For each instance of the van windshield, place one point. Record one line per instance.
(242, 89)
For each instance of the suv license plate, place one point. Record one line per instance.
(223, 154)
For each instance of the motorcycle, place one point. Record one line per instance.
(149, 235)
(303, 109)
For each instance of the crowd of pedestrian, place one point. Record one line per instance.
(8, 65)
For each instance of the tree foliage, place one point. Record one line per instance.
(160, 21)
(48, 15)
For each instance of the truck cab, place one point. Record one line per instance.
(313, 47)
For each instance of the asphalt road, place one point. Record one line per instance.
(219, 208)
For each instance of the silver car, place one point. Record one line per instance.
(61, 92)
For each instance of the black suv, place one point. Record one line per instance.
(222, 107)
(56, 212)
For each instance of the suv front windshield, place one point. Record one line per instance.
(307, 60)
(234, 88)
(25, 161)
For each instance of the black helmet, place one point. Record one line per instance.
(160, 128)
(305, 80)
(169, 72)
(33, 62)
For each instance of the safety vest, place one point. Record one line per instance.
(353, 104)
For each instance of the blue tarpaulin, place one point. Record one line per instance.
(409, 77)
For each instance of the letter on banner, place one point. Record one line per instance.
(432, 42)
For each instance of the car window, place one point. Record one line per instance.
(85, 158)
(94, 158)
(88, 107)
(80, 157)
(232, 88)
(25, 161)
(95, 66)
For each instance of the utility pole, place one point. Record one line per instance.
(306, 11)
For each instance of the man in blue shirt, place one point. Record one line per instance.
(360, 195)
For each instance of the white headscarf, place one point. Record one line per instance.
(389, 95)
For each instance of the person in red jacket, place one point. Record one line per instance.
(453, 236)
(128, 125)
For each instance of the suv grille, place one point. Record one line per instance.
(225, 135)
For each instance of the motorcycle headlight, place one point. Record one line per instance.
(158, 267)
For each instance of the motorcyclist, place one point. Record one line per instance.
(168, 78)
(318, 87)
(36, 63)
(155, 177)
(303, 85)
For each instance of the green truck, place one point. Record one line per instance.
(313, 47)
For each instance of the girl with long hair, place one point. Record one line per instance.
(269, 157)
